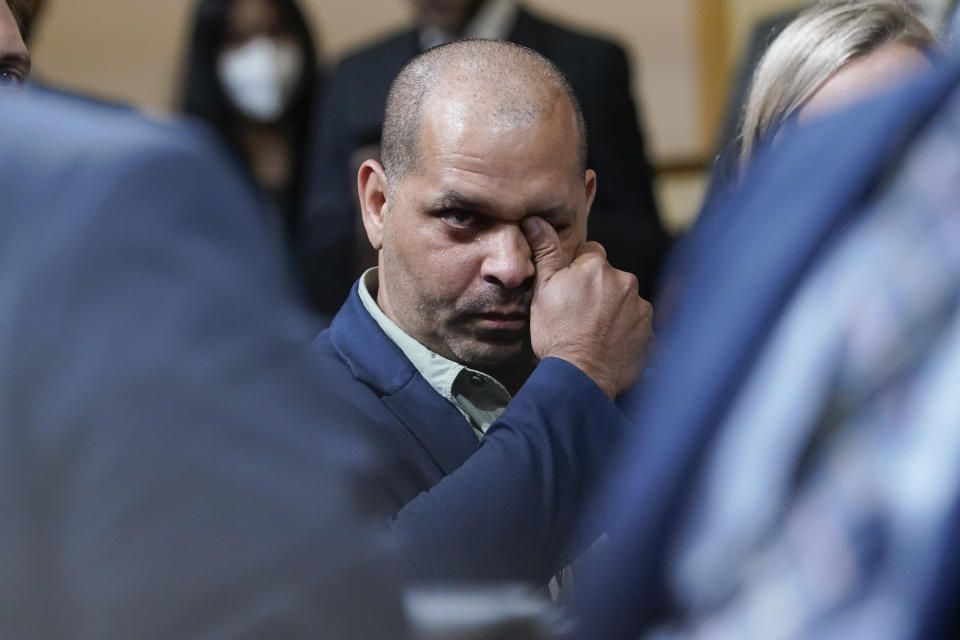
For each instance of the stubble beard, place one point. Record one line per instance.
(504, 354)
(447, 326)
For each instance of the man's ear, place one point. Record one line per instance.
(590, 185)
(373, 189)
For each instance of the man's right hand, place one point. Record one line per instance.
(586, 312)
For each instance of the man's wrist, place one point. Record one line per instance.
(597, 373)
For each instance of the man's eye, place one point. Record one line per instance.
(10, 79)
(459, 218)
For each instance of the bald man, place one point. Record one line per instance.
(488, 345)
(14, 58)
(624, 218)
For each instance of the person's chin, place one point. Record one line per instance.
(491, 349)
(483, 339)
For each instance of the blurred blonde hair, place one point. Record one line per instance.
(812, 48)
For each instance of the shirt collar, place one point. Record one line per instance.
(479, 397)
(493, 21)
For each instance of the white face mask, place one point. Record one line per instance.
(261, 76)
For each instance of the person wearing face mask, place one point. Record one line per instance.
(251, 74)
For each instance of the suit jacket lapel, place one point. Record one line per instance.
(375, 360)
(440, 428)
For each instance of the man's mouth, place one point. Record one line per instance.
(503, 320)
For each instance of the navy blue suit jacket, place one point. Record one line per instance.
(171, 465)
(741, 274)
(503, 509)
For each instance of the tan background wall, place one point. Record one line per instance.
(130, 50)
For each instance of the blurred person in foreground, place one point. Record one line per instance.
(172, 462)
(798, 472)
(625, 218)
(486, 349)
(251, 74)
(14, 57)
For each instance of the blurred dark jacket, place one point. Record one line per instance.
(881, 174)
(172, 463)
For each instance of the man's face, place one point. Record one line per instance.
(14, 59)
(448, 15)
(456, 270)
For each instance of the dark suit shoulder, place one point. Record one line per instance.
(326, 355)
(153, 352)
(532, 30)
(596, 67)
(74, 144)
(78, 127)
(98, 151)
(322, 345)
(397, 48)
(357, 93)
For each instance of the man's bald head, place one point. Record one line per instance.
(507, 86)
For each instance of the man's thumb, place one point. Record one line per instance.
(544, 245)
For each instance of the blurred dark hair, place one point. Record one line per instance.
(23, 13)
(202, 94)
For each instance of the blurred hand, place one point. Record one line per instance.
(587, 312)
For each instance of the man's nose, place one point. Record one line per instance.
(508, 261)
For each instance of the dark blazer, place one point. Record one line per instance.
(816, 182)
(462, 510)
(171, 465)
(624, 217)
